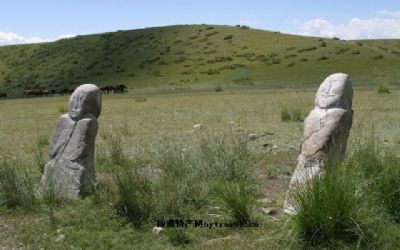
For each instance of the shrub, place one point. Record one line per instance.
(292, 114)
(228, 37)
(218, 89)
(16, 185)
(322, 58)
(383, 89)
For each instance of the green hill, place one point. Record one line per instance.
(184, 56)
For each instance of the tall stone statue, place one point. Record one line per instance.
(326, 131)
(70, 172)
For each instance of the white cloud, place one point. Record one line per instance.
(13, 38)
(355, 28)
(395, 14)
(10, 38)
(65, 36)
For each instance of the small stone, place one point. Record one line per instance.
(265, 200)
(157, 230)
(59, 231)
(198, 126)
(269, 211)
(253, 137)
(60, 238)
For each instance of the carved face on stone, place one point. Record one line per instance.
(86, 99)
(335, 92)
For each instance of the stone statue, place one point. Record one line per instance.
(70, 172)
(326, 131)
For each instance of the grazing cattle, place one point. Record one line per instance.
(115, 88)
(36, 92)
(118, 88)
(45, 92)
(67, 91)
(32, 92)
(3, 95)
(106, 89)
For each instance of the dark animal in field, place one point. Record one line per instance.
(32, 92)
(115, 88)
(66, 91)
(36, 92)
(119, 88)
(3, 95)
(106, 89)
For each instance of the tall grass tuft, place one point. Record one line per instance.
(135, 196)
(330, 210)
(238, 198)
(16, 185)
(181, 180)
(292, 114)
(40, 151)
(224, 156)
(381, 171)
(114, 148)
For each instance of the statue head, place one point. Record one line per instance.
(86, 99)
(335, 92)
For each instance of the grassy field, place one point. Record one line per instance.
(156, 132)
(188, 57)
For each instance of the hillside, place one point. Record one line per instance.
(179, 57)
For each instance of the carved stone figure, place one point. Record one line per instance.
(326, 131)
(70, 172)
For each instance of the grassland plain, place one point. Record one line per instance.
(143, 124)
(196, 57)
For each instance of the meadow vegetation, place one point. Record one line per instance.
(152, 165)
(186, 57)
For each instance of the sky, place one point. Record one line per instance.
(31, 21)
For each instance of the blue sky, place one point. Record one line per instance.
(44, 20)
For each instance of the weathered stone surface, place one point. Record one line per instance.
(198, 126)
(70, 172)
(326, 130)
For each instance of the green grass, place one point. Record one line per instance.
(239, 200)
(16, 185)
(330, 211)
(294, 114)
(354, 204)
(165, 163)
(191, 56)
